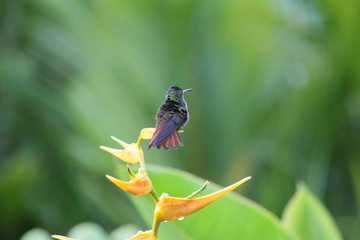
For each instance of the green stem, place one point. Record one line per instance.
(156, 225)
(154, 195)
(141, 154)
(194, 194)
(131, 173)
(141, 160)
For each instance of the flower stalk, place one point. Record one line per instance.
(166, 208)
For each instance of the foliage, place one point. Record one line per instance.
(278, 79)
(232, 217)
(306, 216)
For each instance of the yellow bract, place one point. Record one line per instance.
(171, 208)
(61, 237)
(130, 154)
(140, 184)
(147, 133)
(148, 235)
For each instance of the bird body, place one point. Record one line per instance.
(171, 116)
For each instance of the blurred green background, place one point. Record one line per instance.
(276, 95)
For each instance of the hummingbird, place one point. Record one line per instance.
(171, 116)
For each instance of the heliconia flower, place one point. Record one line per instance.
(130, 154)
(148, 235)
(139, 184)
(171, 208)
(61, 237)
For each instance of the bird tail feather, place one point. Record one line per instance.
(172, 141)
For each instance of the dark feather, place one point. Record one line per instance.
(167, 130)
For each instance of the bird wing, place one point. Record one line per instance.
(172, 125)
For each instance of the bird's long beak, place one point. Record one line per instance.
(186, 90)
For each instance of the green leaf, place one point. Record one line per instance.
(306, 216)
(230, 217)
(36, 234)
(87, 231)
(124, 232)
